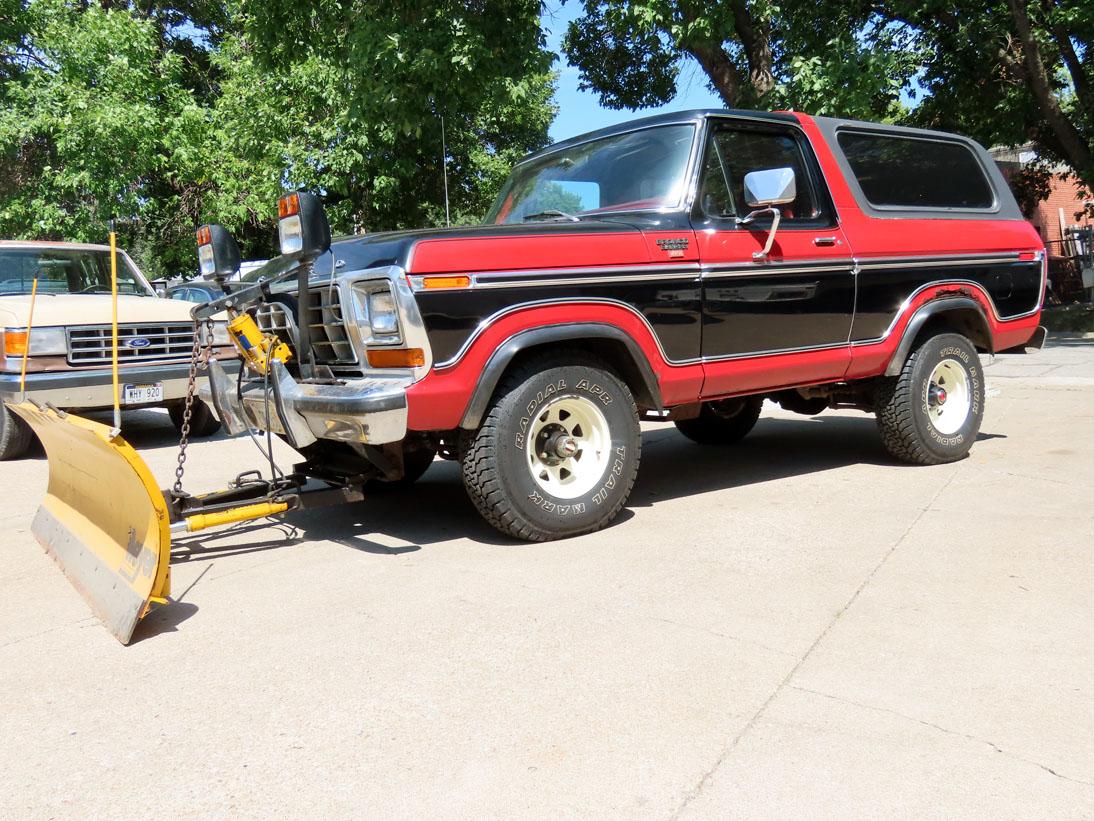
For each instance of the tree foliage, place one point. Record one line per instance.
(165, 114)
(1002, 71)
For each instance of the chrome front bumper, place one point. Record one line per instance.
(370, 410)
(81, 389)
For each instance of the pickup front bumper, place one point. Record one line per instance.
(370, 410)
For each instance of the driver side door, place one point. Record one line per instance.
(778, 320)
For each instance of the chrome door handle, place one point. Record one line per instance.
(824, 241)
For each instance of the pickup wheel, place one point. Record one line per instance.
(557, 453)
(931, 412)
(723, 421)
(15, 435)
(203, 422)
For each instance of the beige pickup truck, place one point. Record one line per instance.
(68, 349)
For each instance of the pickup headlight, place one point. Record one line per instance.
(43, 341)
(383, 318)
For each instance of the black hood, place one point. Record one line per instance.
(355, 253)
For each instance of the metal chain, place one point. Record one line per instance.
(199, 361)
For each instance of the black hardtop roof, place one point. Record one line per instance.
(669, 118)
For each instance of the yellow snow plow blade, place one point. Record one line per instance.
(103, 519)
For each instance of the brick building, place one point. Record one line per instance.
(1066, 197)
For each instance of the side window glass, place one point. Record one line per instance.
(732, 153)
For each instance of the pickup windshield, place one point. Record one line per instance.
(66, 271)
(635, 171)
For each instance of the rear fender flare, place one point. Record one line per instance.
(931, 310)
(648, 391)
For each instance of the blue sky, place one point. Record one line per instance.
(580, 111)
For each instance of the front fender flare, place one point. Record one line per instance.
(648, 390)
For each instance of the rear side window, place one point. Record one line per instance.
(905, 172)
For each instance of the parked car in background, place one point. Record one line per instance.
(68, 349)
(197, 291)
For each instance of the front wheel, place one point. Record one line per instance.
(931, 412)
(15, 435)
(557, 454)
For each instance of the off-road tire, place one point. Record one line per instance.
(15, 435)
(723, 421)
(415, 464)
(902, 404)
(503, 475)
(203, 422)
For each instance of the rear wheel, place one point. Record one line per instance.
(723, 421)
(203, 422)
(932, 411)
(15, 435)
(558, 452)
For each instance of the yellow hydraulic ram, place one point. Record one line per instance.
(256, 348)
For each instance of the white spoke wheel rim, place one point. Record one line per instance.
(568, 447)
(948, 400)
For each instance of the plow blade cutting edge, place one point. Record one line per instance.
(103, 519)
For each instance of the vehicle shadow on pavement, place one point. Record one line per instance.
(674, 467)
(436, 509)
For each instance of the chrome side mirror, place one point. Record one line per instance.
(770, 187)
(764, 191)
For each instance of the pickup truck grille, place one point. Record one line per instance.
(162, 343)
(329, 336)
(328, 329)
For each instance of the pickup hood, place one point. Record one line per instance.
(476, 246)
(90, 309)
(491, 247)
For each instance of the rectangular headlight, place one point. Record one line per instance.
(206, 263)
(382, 315)
(42, 341)
(291, 234)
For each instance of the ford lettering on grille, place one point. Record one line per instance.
(138, 342)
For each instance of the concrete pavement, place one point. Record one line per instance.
(794, 627)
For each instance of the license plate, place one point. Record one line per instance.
(143, 394)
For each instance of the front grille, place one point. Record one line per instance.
(136, 343)
(329, 336)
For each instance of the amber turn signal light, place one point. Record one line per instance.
(396, 357)
(446, 282)
(204, 235)
(288, 206)
(15, 343)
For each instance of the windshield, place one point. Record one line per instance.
(636, 171)
(65, 271)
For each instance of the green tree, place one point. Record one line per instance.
(1002, 71)
(167, 114)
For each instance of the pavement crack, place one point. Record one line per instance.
(708, 776)
(715, 633)
(941, 729)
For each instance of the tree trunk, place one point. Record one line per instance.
(757, 43)
(1077, 151)
(720, 69)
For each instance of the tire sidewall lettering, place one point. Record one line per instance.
(970, 363)
(618, 473)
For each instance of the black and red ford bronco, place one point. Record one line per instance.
(682, 267)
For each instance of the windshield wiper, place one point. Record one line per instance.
(550, 213)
